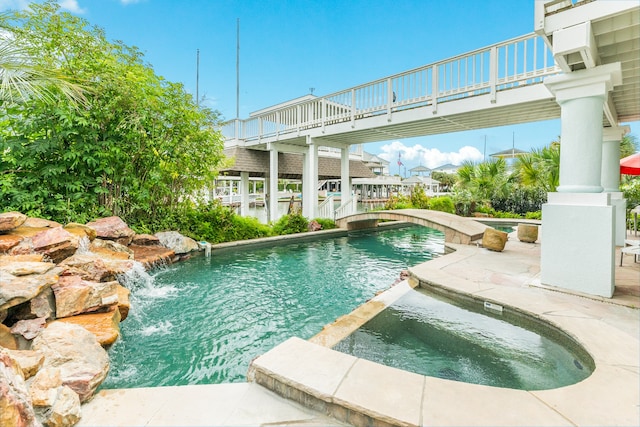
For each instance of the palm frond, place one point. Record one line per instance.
(22, 80)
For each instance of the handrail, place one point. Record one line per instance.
(517, 62)
(345, 209)
(325, 209)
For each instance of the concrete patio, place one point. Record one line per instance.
(343, 389)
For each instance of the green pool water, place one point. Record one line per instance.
(203, 320)
(433, 335)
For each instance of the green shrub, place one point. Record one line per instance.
(326, 223)
(399, 201)
(211, 222)
(486, 209)
(419, 199)
(520, 200)
(443, 204)
(502, 214)
(247, 227)
(631, 191)
(464, 202)
(534, 215)
(290, 224)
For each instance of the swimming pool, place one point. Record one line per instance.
(203, 320)
(463, 340)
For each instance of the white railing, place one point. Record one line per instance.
(325, 209)
(346, 209)
(236, 199)
(518, 62)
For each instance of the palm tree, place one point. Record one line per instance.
(628, 145)
(21, 79)
(484, 180)
(540, 168)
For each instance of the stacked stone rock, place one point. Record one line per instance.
(60, 307)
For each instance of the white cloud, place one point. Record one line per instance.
(14, 4)
(72, 6)
(429, 157)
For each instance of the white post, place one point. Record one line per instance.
(273, 184)
(244, 191)
(310, 180)
(611, 137)
(345, 178)
(578, 238)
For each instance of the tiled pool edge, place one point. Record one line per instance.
(329, 401)
(344, 326)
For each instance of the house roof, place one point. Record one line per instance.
(420, 169)
(256, 162)
(414, 179)
(446, 167)
(374, 158)
(509, 153)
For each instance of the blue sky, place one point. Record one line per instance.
(288, 47)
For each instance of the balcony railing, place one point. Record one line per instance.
(515, 63)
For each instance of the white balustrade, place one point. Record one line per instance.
(325, 209)
(346, 209)
(518, 62)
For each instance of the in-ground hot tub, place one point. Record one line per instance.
(462, 339)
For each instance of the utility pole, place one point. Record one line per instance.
(238, 69)
(484, 153)
(197, 77)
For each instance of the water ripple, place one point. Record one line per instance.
(204, 320)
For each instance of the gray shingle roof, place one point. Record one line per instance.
(256, 162)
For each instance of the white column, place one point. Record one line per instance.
(273, 184)
(345, 178)
(310, 180)
(581, 146)
(265, 195)
(244, 193)
(578, 226)
(611, 137)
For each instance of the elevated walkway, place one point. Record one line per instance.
(456, 229)
(493, 86)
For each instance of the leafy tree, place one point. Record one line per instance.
(139, 148)
(447, 180)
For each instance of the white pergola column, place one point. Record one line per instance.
(578, 241)
(244, 193)
(310, 180)
(581, 146)
(345, 178)
(273, 184)
(611, 137)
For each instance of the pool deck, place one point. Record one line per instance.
(359, 392)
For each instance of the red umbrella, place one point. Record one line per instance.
(630, 165)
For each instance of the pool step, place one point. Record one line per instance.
(349, 389)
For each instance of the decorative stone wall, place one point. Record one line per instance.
(60, 307)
